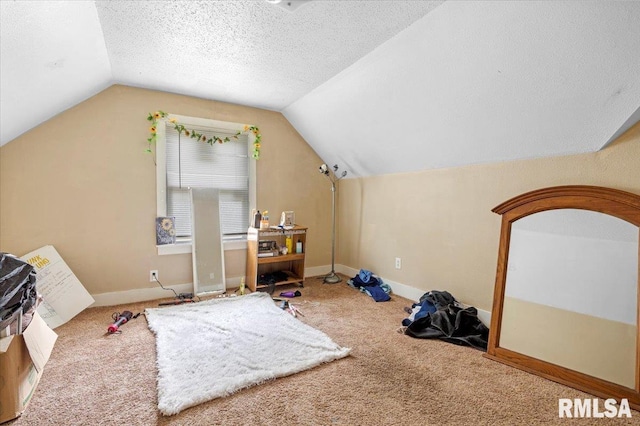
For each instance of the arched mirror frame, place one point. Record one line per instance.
(621, 204)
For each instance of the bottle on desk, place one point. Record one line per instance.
(257, 217)
(289, 243)
(264, 222)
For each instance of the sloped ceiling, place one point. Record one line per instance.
(52, 56)
(478, 82)
(374, 86)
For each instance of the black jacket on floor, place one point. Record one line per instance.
(452, 324)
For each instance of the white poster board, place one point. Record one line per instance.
(63, 295)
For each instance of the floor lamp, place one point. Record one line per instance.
(332, 277)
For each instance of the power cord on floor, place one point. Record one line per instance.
(179, 297)
(161, 286)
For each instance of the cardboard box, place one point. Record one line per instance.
(22, 360)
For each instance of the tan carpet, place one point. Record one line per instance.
(389, 378)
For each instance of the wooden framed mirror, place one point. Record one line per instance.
(566, 294)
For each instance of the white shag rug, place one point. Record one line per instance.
(214, 348)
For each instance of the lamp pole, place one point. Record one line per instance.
(332, 277)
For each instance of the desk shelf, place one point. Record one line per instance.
(291, 263)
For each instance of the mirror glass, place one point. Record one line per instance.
(207, 250)
(571, 292)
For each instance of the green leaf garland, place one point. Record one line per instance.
(159, 115)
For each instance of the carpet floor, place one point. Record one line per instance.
(388, 379)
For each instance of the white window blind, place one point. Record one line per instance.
(195, 164)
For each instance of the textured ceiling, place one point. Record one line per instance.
(245, 52)
(375, 86)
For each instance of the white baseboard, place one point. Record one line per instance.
(484, 317)
(402, 290)
(317, 271)
(233, 282)
(153, 293)
(409, 292)
(138, 295)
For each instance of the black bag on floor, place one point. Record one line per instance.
(17, 287)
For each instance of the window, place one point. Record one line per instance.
(184, 163)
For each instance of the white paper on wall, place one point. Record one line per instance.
(63, 295)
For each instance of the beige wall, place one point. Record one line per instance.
(83, 183)
(595, 346)
(440, 221)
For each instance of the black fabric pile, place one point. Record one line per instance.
(272, 277)
(17, 287)
(447, 320)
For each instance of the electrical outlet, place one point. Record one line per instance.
(398, 263)
(153, 275)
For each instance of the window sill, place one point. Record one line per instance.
(179, 248)
(235, 244)
(185, 248)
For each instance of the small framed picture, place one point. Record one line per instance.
(165, 230)
(289, 218)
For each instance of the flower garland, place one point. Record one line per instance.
(158, 115)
